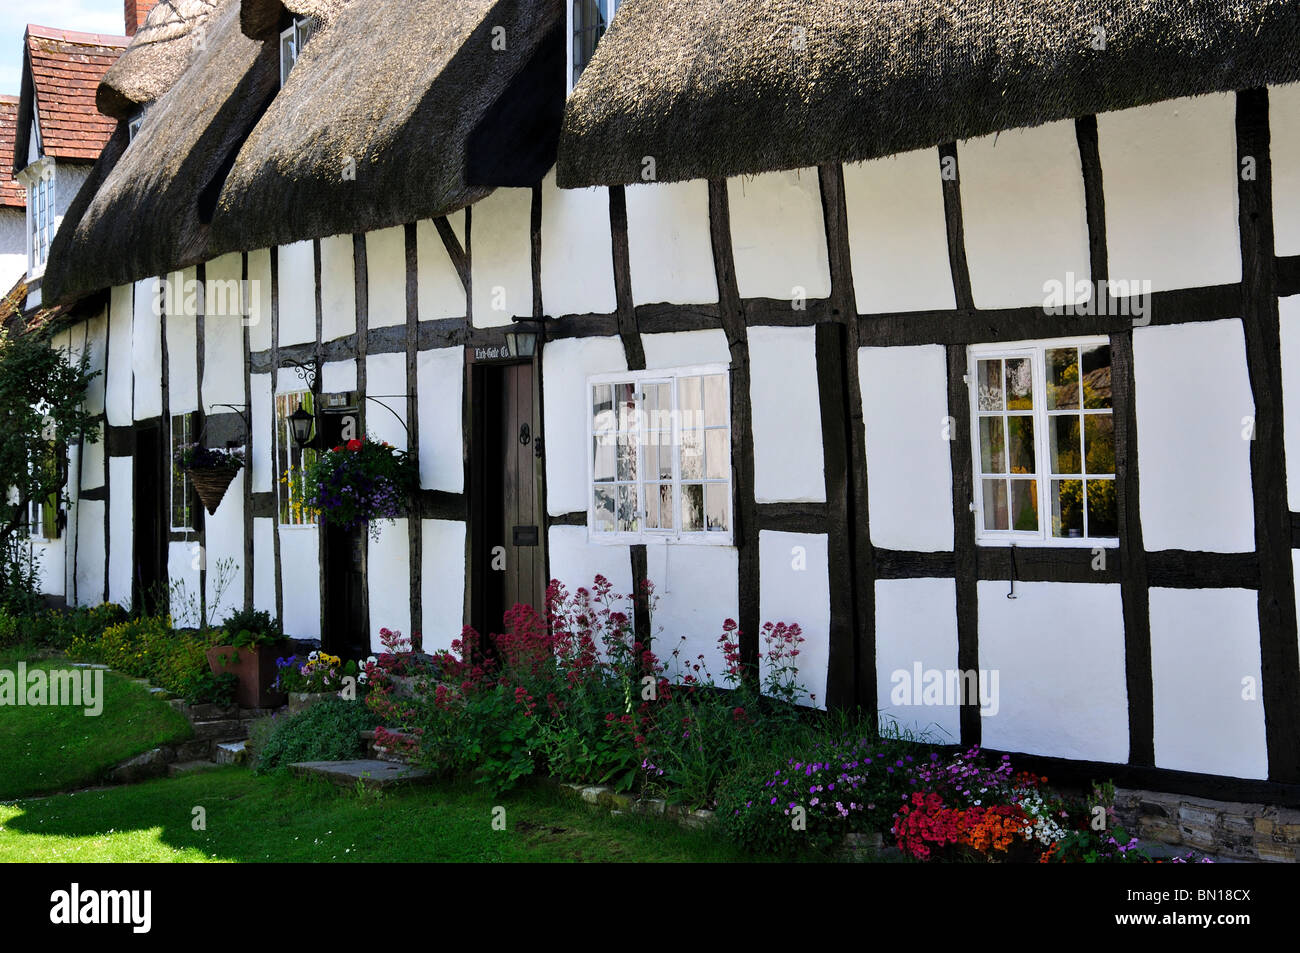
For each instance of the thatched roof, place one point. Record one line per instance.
(147, 214)
(712, 88)
(376, 123)
(259, 17)
(160, 51)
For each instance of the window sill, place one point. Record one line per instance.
(1037, 542)
(638, 539)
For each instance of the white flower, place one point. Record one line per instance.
(372, 660)
(314, 656)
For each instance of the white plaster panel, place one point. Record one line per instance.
(386, 270)
(794, 586)
(300, 580)
(50, 568)
(898, 234)
(909, 463)
(778, 237)
(183, 578)
(577, 252)
(146, 350)
(576, 563)
(182, 346)
(338, 287)
(697, 590)
(1171, 210)
(339, 377)
(388, 569)
(1204, 644)
(121, 558)
(264, 565)
(1194, 408)
(297, 290)
(670, 251)
(223, 335)
(97, 350)
(1284, 148)
(1058, 653)
(442, 583)
(440, 376)
(501, 257)
(438, 285)
(1289, 322)
(685, 348)
(13, 246)
(91, 555)
(224, 539)
(786, 409)
(259, 299)
(263, 418)
(386, 380)
(567, 364)
(916, 625)
(118, 380)
(1023, 214)
(92, 461)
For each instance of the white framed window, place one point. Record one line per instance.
(43, 519)
(659, 457)
(292, 41)
(182, 493)
(291, 462)
(1043, 434)
(40, 219)
(133, 125)
(588, 20)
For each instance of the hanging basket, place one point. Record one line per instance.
(210, 483)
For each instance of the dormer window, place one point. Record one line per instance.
(41, 219)
(133, 126)
(292, 41)
(589, 20)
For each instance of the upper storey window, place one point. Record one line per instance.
(40, 218)
(588, 21)
(292, 41)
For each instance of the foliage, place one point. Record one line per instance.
(360, 482)
(254, 621)
(148, 647)
(195, 456)
(319, 672)
(188, 609)
(20, 577)
(329, 731)
(206, 688)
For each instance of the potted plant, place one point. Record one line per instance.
(314, 679)
(210, 471)
(360, 483)
(250, 655)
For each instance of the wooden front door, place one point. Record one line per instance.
(508, 550)
(149, 533)
(345, 622)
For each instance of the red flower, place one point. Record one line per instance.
(354, 444)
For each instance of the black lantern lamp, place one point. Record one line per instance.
(522, 341)
(303, 423)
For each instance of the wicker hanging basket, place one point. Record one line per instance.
(210, 483)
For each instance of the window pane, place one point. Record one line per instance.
(993, 457)
(1099, 431)
(1096, 375)
(602, 400)
(1020, 384)
(652, 507)
(692, 508)
(626, 458)
(625, 397)
(715, 400)
(665, 495)
(1020, 441)
(717, 500)
(603, 455)
(995, 505)
(604, 505)
(989, 376)
(1063, 433)
(1024, 505)
(1103, 508)
(692, 454)
(1062, 378)
(625, 497)
(659, 459)
(1067, 508)
(656, 396)
(717, 447)
(690, 398)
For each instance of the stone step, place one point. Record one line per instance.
(179, 768)
(373, 775)
(226, 729)
(209, 712)
(150, 764)
(231, 752)
(194, 751)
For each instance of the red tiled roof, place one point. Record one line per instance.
(66, 68)
(11, 193)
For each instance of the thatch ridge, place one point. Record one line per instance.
(159, 53)
(714, 89)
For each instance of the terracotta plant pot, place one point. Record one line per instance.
(256, 670)
(210, 483)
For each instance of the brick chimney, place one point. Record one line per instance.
(136, 11)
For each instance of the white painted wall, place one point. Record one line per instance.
(442, 583)
(121, 559)
(1289, 325)
(577, 255)
(146, 350)
(1284, 148)
(566, 365)
(1171, 210)
(120, 387)
(300, 580)
(685, 348)
(386, 380)
(786, 410)
(794, 586)
(263, 420)
(916, 622)
(1194, 409)
(697, 588)
(898, 234)
(388, 570)
(50, 558)
(96, 343)
(183, 561)
(338, 287)
(778, 237)
(264, 565)
(386, 276)
(1058, 649)
(339, 377)
(259, 299)
(93, 469)
(576, 564)
(223, 340)
(439, 289)
(297, 292)
(182, 346)
(501, 250)
(1204, 643)
(908, 439)
(1023, 214)
(13, 246)
(440, 376)
(670, 252)
(224, 539)
(91, 561)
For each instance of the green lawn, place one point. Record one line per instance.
(279, 818)
(53, 748)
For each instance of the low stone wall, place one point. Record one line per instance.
(1226, 829)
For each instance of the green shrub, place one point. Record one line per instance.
(150, 648)
(8, 629)
(204, 688)
(256, 623)
(327, 731)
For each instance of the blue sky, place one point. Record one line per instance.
(89, 16)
